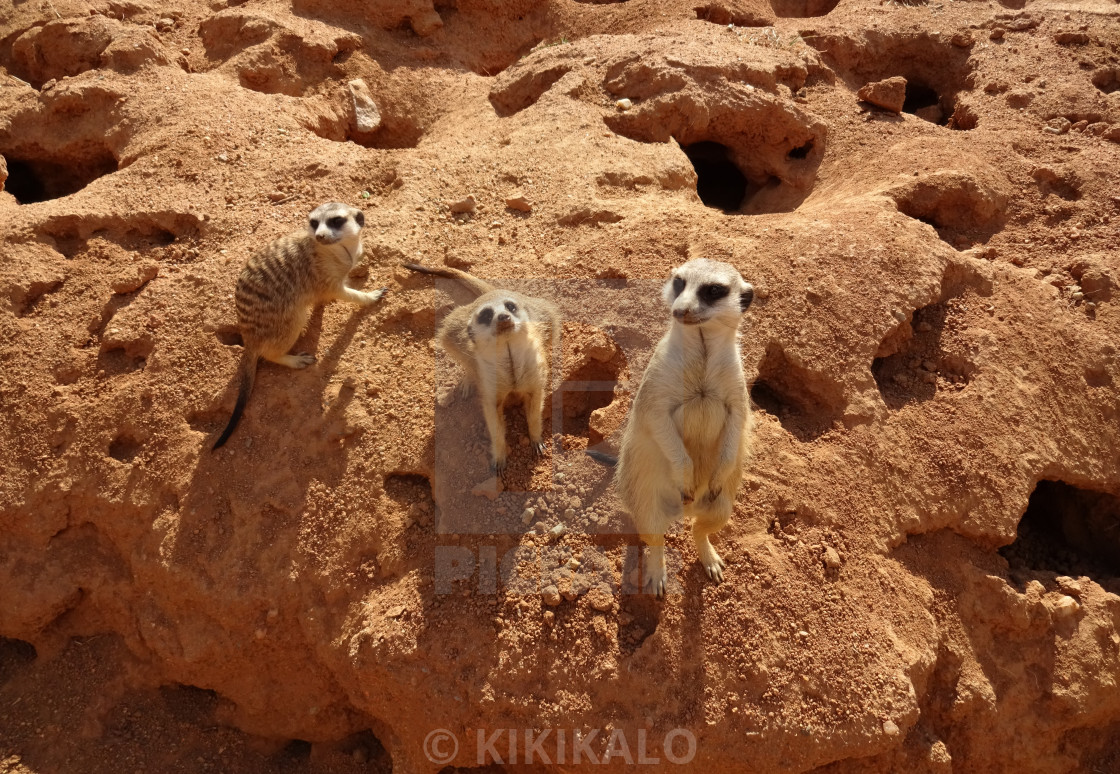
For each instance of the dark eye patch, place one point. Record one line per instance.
(709, 294)
(486, 316)
(678, 285)
(336, 223)
(511, 306)
(361, 218)
(314, 224)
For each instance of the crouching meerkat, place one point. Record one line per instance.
(687, 434)
(282, 282)
(504, 341)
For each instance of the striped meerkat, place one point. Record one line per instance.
(504, 342)
(284, 281)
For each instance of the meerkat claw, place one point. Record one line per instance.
(538, 447)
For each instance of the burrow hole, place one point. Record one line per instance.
(125, 448)
(911, 363)
(39, 177)
(806, 403)
(922, 101)
(720, 183)
(229, 335)
(587, 389)
(802, 9)
(1068, 530)
(15, 655)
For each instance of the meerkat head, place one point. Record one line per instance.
(338, 224)
(704, 291)
(499, 317)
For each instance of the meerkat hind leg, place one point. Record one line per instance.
(534, 409)
(709, 519)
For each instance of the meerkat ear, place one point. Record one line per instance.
(361, 218)
(746, 296)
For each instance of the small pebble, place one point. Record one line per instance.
(831, 558)
(558, 531)
(890, 728)
(624, 104)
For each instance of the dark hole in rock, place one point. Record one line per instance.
(588, 389)
(1068, 530)
(32, 179)
(14, 656)
(719, 183)
(801, 152)
(924, 102)
(802, 9)
(297, 749)
(230, 337)
(124, 448)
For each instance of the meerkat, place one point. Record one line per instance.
(504, 341)
(687, 434)
(284, 281)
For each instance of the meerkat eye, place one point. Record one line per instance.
(678, 285)
(486, 316)
(713, 293)
(511, 306)
(336, 223)
(314, 224)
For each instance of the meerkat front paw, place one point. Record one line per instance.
(538, 447)
(714, 491)
(687, 498)
(657, 582)
(373, 296)
(303, 360)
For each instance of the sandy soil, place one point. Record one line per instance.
(924, 558)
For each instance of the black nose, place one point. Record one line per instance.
(679, 313)
(503, 317)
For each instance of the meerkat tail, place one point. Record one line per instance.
(248, 377)
(472, 283)
(602, 458)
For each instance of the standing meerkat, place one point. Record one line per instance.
(282, 282)
(688, 430)
(504, 341)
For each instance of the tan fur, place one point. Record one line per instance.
(688, 431)
(283, 282)
(501, 363)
